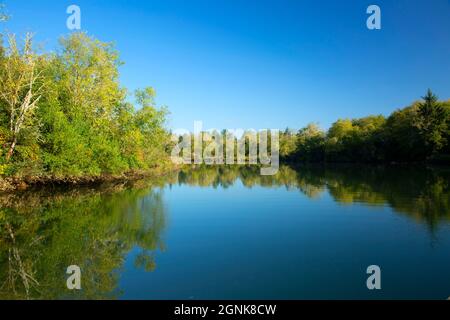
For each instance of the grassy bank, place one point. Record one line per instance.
(15, 184)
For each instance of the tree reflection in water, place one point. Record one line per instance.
(44, 231)
(421, 193)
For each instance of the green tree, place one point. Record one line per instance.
(431, 121)
(337, 140)
(288, 143)
(20, 90)
(150, 121)
(311, 143)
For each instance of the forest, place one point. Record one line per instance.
(417, 133)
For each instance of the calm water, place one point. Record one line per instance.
(228, 233)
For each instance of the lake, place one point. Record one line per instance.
(310, 232)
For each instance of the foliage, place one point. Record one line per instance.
(416, 133)
(76, 120)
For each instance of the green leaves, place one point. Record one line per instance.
(83, 125)
(431, 121)
(416, 133)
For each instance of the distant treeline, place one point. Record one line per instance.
(64, 114)
(420, 132)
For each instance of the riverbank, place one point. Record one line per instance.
(13, 184)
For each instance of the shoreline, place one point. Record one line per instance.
(14, 184)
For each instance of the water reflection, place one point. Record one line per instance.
(421, 193)
(44, 231)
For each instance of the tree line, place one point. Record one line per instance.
(420, 132)
(417, 133)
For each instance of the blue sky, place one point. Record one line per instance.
(263, 64)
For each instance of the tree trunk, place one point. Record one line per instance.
(11, 149)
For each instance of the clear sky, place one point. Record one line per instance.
(263, 64)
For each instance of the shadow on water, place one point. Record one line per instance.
(44, 231)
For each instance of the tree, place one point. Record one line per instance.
(288, 143)
(311, 143)
(19, 88)
(150, 121)
(431, 121)
(366, 142)
(403, 142)
(338, 137)
(87, 72)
